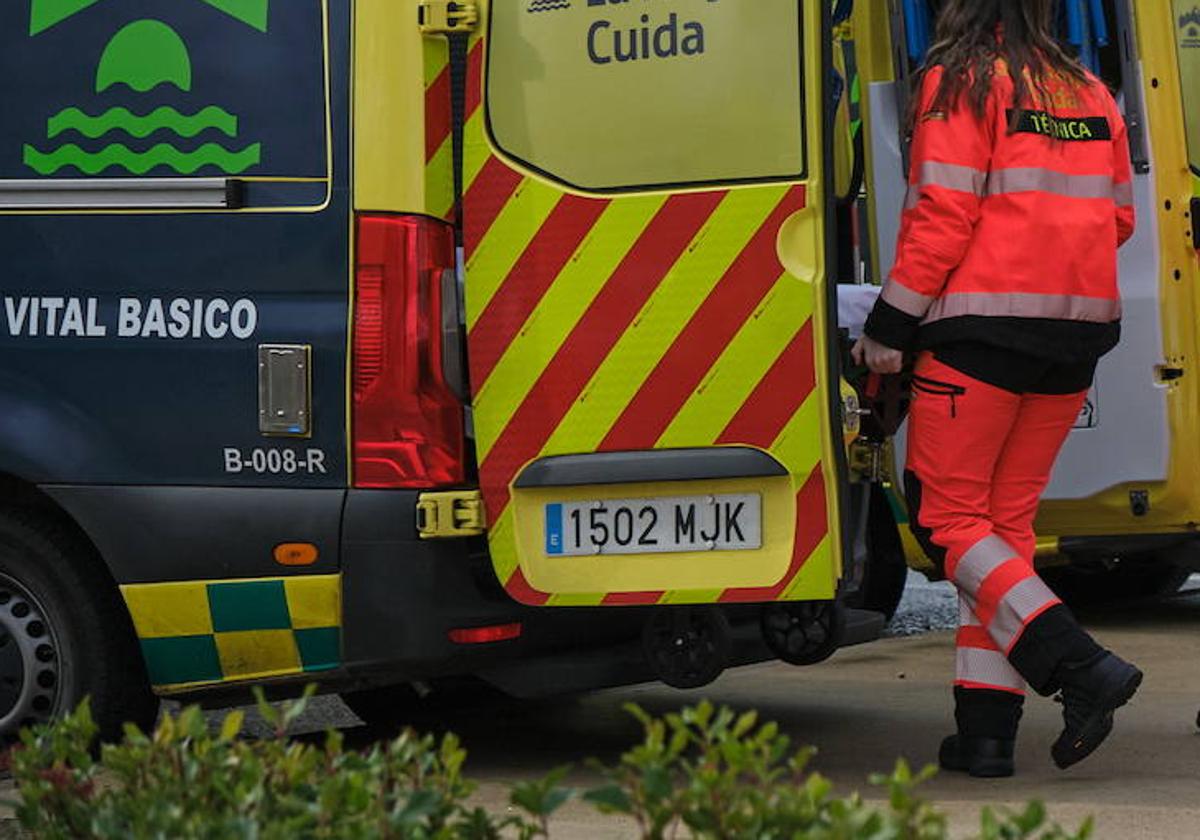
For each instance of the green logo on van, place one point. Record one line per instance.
(144, 56)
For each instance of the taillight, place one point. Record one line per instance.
(408, 422)
(486, 635)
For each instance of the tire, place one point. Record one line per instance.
(1084, 586)
(887, 570)
(64, 633)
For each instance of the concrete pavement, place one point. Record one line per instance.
(891, 698)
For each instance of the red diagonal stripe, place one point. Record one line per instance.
(727, 307)
(590, 341)
(474, 79)
(535, 270)
(776, 399)
(437, 113)
(811, 527)
(518, 587)
(631, 599)
(485, 198)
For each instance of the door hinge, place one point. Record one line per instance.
(455, 513)
(446, 17)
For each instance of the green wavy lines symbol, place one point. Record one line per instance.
(139, 163)
(123, 119)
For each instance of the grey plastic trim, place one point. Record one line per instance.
(646, 466)
(119, 193)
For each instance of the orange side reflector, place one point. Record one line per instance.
(484, 635)
(295, 554)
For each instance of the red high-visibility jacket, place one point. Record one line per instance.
(1010, 233)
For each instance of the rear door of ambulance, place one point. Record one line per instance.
(648, 333)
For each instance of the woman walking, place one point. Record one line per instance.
(1005, 286)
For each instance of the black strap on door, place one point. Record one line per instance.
(459, 45)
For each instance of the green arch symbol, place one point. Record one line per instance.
(144, 55)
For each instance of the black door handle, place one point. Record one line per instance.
(1196, 223)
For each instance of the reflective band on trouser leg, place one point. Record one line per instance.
(981, 560)
(1023, 603)
(1003, 590)
(979, 663)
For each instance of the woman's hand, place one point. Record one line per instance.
(877, 357)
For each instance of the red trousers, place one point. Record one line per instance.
(979, 458)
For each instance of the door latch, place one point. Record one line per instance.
(446, 17)
(456, 513)
(1196, 223)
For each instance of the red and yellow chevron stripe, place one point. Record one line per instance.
(636, 322)
(439, 146)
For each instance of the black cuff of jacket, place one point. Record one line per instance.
(892, 327)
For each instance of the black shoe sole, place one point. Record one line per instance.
(1070, 751)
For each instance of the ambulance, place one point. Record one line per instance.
(417, 348)
(1119, 519)
(412, 348)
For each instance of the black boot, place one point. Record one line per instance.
(987, 733)
(1090, 692)
(983, 758)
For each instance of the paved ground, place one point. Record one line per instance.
(890, 698)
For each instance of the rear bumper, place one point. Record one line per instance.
(403, 595)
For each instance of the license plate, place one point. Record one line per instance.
(729, 522)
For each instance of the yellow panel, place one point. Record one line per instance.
(742, 365)
(314, 601)
(258, 653)
(514, 228)
(476, 150)
(814, 582)
(723, 107)
(564, 303)
(737, 218)
(163, 610)
(797, 448)
(708, 570)
(389, 107)
(1174, 504)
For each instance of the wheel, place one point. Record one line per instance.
(688, 647)
(804, 633)
(887, 570)
(64, 634)
(1129, 581)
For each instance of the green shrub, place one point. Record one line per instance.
(702, 773)
(722, 776)
(185, 782)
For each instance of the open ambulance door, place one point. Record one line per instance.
(650, 347)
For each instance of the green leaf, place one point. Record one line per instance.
(609, 799)
(231, 727)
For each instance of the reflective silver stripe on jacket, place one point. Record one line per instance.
(951, 176)
(987, 668)
(905, 299)
(1033, 179)
(1123, 194)
(976, 182)
(1024, 305)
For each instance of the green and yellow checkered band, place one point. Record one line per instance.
(198, 632)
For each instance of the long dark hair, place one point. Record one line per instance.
(973, 34)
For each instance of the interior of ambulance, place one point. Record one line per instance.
(1104, 528)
